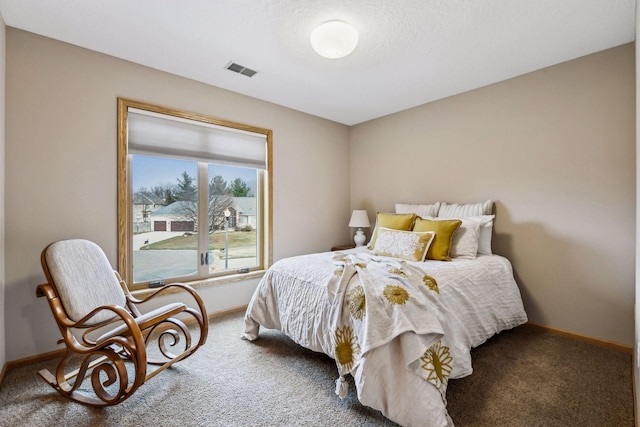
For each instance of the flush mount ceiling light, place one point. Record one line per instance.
(334, 39)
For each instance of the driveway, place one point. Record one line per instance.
(159, 264)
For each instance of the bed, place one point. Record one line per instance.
(402, 323)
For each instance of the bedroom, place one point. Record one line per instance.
(564, 136)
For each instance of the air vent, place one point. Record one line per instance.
(240, 69)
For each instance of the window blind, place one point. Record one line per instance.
(154, 134)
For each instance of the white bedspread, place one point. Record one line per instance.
(475, 299)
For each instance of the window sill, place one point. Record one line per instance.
(205, 283)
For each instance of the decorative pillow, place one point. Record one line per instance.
(409, 245)
(444, 229)
(456, 210)
(393, 221)
(420, 210)
(486, 232)
(464, 243)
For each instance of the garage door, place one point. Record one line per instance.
(182, 226)
(159, 225)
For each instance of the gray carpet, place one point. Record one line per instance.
(523, 377)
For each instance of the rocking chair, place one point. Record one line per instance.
(107, 331)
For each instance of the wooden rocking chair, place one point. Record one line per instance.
(106, 330)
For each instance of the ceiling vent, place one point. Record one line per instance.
(240, 69)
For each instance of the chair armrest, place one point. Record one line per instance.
(145, 321)
(45, 290)
(133, 301)
(119, 311)
(199, 314)
(181, 286)
(129, 328)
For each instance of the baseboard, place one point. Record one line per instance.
(228, 311)
(35, 359)
(591, 340)
(635, 395)
(3, 372)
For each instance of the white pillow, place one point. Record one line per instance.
(464, 243)
(485, 231)
(420, 210)
(409, 245)
(456, 210)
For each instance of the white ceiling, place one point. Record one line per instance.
(410, 51)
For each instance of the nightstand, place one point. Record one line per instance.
(343, 247)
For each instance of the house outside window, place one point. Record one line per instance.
(193, 196)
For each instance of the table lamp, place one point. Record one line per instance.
(359, 218)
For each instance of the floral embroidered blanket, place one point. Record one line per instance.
(372, 301)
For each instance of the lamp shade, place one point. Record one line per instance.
(334, 39)
(359, 218)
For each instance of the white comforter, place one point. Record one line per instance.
(475, 299)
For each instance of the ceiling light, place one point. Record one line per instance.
(334, 39)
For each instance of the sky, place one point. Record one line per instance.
(151, 171)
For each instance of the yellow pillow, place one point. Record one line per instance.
(444, 229)
(402, 222)
(409, 245)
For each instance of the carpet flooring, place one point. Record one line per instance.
(523, 377)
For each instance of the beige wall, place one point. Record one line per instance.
(636, 352)
(3, 354)
(556, 150)
(61, 167)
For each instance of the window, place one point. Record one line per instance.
(193, 196)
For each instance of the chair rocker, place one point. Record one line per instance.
(109, 334)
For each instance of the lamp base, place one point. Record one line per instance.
(359, 238)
